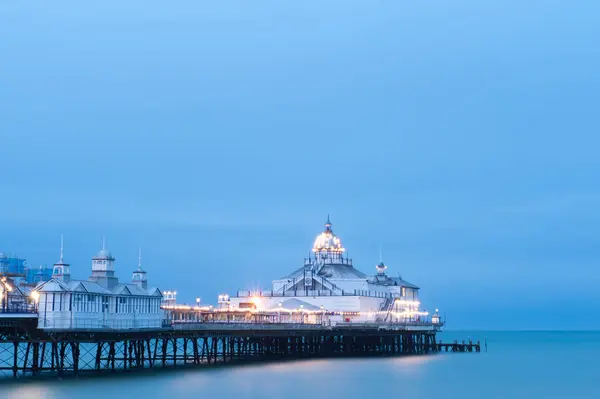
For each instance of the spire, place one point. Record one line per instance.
(381, 266)
(61, 261)
(139, 276)
(62, 247)
(328, 224)
(61, 270)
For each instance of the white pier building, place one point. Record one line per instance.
(328, 282)
(101, 302)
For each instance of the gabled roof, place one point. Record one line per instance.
(91, 286)
(19, 290)
(134, 289)
(155, 292)
(121, 290)
(77, 287)
(52, 285)
(386, 280)
(336, 271)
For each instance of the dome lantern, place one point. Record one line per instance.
(327, 241)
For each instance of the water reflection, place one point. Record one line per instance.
(544, 367)
(30, 392)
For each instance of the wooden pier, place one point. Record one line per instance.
(459, 347)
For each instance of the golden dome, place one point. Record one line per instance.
(327, 240)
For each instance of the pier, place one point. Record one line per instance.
(26, 351)
(59, 326)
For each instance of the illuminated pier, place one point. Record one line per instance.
(326, 308)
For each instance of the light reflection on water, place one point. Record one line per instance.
(518, 365)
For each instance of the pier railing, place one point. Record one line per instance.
(84, 323)
(18, 309)
(262, 325)
(311, 293)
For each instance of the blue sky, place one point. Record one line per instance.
(461, 136)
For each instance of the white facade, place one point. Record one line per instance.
(100, 302)
(329, 282)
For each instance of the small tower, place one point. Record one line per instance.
(139, 276)
(103, 268)
(381, 267)
(61, 270)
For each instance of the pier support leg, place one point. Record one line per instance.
(15, 357)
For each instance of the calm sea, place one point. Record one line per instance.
(517, 365)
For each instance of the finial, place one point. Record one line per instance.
(61, 249)
(380, 254)
(103, 243)
(140, 259)
(328, 225)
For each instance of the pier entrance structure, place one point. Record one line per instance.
(329, 281)
(101, 302)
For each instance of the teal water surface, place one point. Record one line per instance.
(517, 365)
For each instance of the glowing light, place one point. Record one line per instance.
(256, 301)
(6, 285)
(403, 302)
(35, 296)
(328, 241)
(223, 298)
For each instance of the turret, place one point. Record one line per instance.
(381, 268)
(139, 276)
(61, 270)
(103, 268)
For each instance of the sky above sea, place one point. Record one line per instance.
(461, 137)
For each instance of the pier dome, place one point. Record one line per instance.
(104, 254)
(327, 240)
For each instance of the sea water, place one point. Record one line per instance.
(516, 365)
